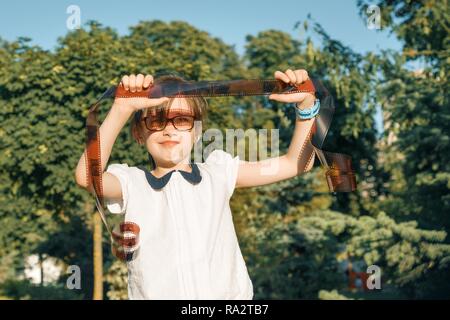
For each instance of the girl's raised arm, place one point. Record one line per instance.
(117, 117)
(258, 173)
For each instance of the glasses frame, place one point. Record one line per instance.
(172, 121)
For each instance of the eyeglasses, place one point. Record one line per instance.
(181, 123)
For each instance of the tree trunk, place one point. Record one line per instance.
(98, 257)
(41, 268)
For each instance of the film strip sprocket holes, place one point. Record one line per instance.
(125, 245)
(339, 174)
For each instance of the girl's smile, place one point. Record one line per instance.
(169, 143)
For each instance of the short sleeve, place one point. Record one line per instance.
(227, 166)
(121, 172)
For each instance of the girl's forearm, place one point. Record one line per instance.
(301, 131)
(109, 131)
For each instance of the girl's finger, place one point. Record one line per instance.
(139, 82)
(132, 83)
(126, 82)
(291, 76)
(299, 76)
(281, 76)
(147, 81)
(305, 75)
(288, 98)
(280, 97)
(302, 75)
(274, 96)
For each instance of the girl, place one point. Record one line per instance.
(188, 244)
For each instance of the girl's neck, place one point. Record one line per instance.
(160, 171)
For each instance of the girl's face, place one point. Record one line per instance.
(173, 144)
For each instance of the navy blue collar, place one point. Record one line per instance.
(193, 177)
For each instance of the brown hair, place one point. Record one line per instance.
(197, 104)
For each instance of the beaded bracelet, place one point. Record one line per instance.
(308, 113)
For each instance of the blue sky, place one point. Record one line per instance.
(231, 20)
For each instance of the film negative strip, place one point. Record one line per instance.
(339, 174)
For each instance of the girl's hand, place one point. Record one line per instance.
(302, 99)
(137, 83)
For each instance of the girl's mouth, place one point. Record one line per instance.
(169, 143)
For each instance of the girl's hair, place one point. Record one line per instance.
(197, 105)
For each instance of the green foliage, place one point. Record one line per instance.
(23, 290)
(331, 295)
(417, 115)
(421, 25)
(117, 281)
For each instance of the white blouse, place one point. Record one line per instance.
(188, 244)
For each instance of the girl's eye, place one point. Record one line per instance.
(156, 124)
(183, 119)
(183, 123)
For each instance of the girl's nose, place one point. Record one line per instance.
(169, 127)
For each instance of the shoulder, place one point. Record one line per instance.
(220, 157)
(223, 167)
(118, 167)
(124, 171)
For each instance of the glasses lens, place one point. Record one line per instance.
(154, 124)
(183, 122)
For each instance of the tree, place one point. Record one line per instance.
(413, 93)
